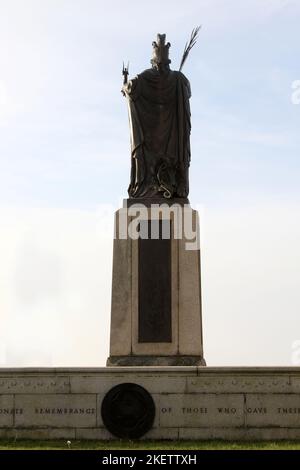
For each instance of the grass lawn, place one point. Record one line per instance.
(147, 445)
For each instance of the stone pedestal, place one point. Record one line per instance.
(156, 290)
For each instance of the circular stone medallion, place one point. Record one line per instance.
(128, 411)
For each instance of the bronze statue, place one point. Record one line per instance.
(160, 126)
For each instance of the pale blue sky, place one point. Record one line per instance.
(64, 152)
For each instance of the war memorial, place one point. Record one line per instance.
(156, 384)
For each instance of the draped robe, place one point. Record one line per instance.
(160, 125)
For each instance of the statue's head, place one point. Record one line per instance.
(160, 55)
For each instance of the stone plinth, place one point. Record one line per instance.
(156, 288)
(190, 402)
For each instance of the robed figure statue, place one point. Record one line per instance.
(160, 126)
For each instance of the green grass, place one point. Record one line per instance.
(148, 445)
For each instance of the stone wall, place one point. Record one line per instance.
(190, 402)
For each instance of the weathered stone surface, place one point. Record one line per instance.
(181, 344)
(103, 434)
(44, 434)
(32, 384)
(7, 410)
(154, 384)
(94, 434)
(189, 293)
(240, 434)
(174, 360)
(159, 433)
(295, 383)
(206, 410)
(56, 410)
(264, 410)
(238, 384)
(190, 402)
(121, 325)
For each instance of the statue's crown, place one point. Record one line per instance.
(160, 52)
